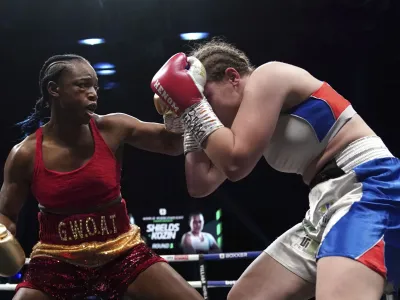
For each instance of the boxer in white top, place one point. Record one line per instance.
(348, 245)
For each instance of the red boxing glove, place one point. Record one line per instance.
(180, 82)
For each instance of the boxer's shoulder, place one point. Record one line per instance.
(22, 155)
(291, 83)
(25, 150)
(115, 127)
(113, 121)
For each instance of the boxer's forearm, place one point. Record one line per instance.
(8, 223)
(173, 143)
(202, 177)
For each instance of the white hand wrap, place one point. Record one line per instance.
(173, 123)
(189, 143)
(200, 120)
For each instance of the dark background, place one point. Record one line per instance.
(352, 44)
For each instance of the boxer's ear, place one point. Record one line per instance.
(232, 75)
(53, 89)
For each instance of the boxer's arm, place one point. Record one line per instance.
(202, 177)
(13, 194)
(154, 137)
(15, 188)
(147, 136)
(236, 151)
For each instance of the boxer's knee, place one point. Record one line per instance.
(30, 294)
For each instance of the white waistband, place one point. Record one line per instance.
(361, 151)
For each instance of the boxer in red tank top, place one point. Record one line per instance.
(72, 165)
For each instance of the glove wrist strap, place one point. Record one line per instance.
(200, 121)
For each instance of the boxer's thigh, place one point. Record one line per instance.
(142, 274)
(30, 294)
(351, 263)
(54, 278)
(285, 271)
(347, 279)
(161, 281)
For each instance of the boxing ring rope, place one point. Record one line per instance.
(206, 257)
(195, 284)
(203, 284)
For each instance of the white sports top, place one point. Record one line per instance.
(303, 133)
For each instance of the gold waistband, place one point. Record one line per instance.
(92, 254)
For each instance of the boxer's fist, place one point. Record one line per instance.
(12, 256)
(180, 82)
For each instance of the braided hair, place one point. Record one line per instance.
(218, 55)
(51, 71)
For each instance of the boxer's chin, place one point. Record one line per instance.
(86, 118)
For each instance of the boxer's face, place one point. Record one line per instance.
(197, 223)
(225, 96)
(77, 91)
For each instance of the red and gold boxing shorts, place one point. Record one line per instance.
(97, 254)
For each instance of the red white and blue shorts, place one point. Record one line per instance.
(354, 213)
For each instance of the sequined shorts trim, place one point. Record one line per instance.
(91, 254)
(64, 281)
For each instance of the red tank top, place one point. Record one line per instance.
(94, 183)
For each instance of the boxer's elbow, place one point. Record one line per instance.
(198, 188)
(237, 167)
(233, 173)
(197, 191)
